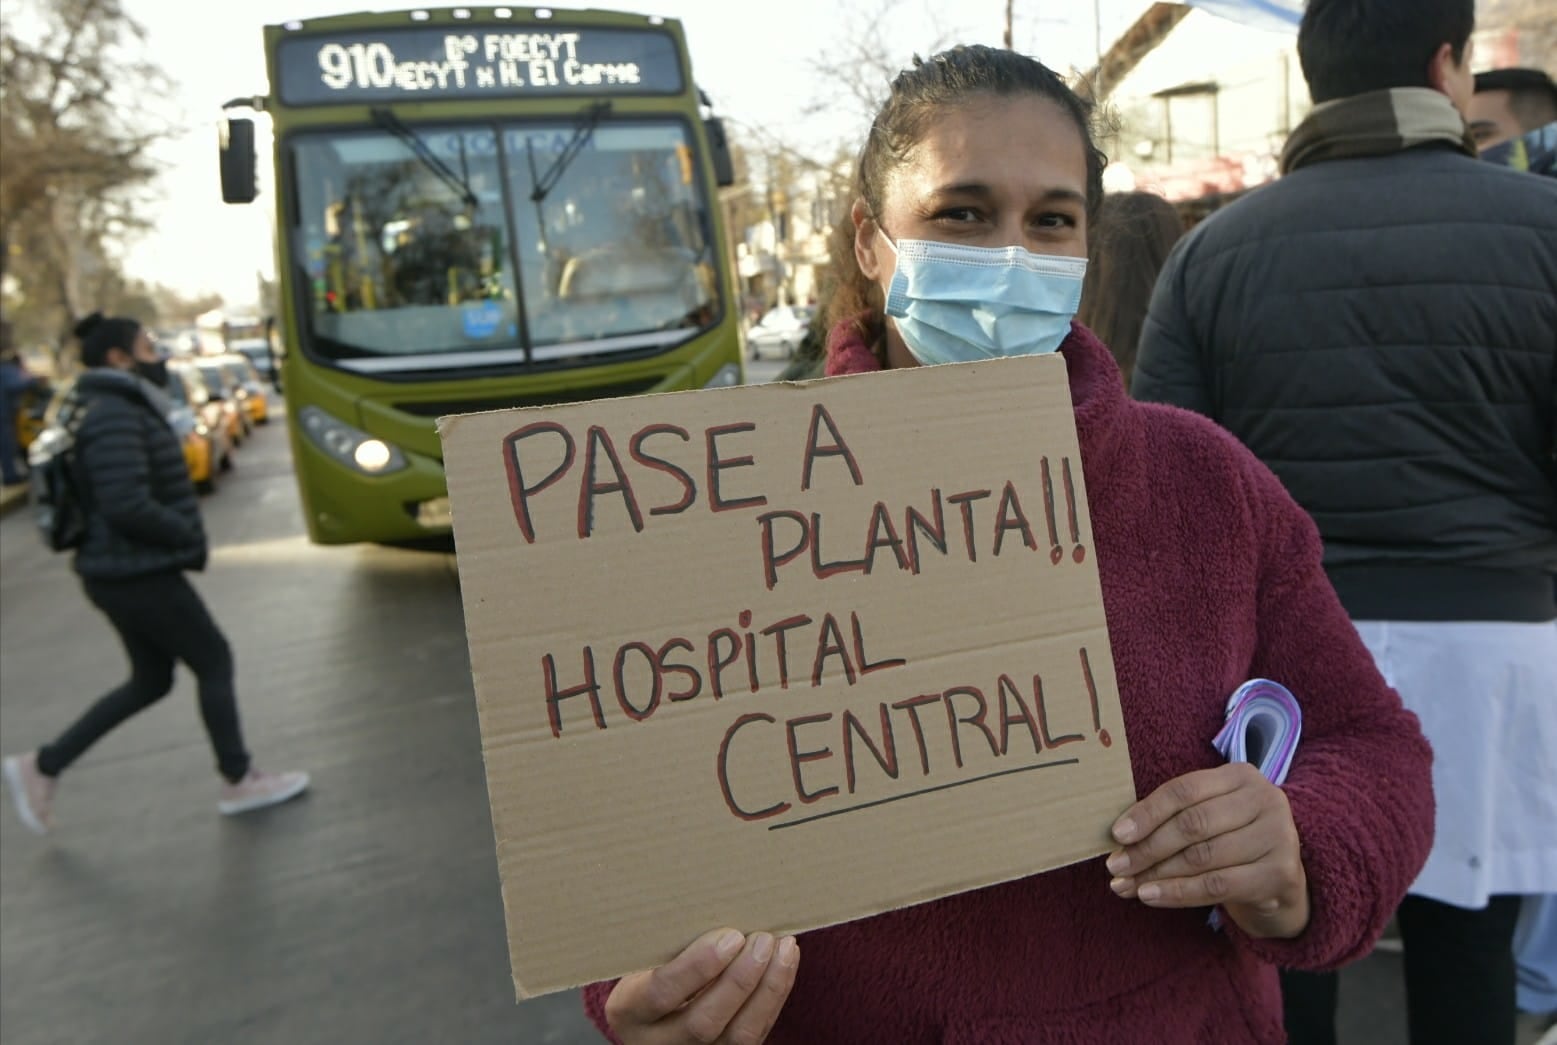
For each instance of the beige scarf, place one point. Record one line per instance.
(1376, 124)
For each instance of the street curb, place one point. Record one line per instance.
(12, 498)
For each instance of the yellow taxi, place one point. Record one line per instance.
(212, 421)
(225, 393)
(197, 458)
(31, 408)
(250, 389)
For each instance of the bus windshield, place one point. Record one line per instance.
(614, 252)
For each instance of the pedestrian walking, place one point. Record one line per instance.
(1380, 327)
(143, 531)
(973, 196)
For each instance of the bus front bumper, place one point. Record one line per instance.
(342, 506)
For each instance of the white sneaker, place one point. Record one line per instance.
(258, 790)
(31, 791)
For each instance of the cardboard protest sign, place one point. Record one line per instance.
(781, 656)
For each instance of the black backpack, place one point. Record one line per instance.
(58, 506)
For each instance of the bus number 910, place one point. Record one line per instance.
(371, 65)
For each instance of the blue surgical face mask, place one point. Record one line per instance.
(954, 304)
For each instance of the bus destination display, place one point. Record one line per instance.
(481, 61)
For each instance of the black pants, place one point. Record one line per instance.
(1459, 978)
(161, 620)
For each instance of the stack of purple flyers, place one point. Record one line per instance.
(1263, 726)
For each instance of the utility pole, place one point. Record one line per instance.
(1010, 44)
(1097, 27)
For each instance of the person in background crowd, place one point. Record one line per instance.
(1380, 327)
(974, 192)
(1130, 241)
(14, 381)
(1513, 117)
(1535, 953)
(143, 530)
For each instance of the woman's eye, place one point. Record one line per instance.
(1056, 221)
(958, 215)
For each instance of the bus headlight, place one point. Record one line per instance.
(728, 376)
(372, 456)
(350, 446)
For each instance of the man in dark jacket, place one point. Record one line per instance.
(143, 530)
(1380, 327)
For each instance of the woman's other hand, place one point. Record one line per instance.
(1222, 836)
(724, 988)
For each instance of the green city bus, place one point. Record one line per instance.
(479, 208)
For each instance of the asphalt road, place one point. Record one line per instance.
(366, 912)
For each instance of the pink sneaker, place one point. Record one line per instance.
(31, 791)
(259, 790)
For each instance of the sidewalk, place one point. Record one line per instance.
(12, 498)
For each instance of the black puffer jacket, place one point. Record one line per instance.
(1382, 333)
(143, 516)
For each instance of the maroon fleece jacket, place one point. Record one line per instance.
(1211, 576)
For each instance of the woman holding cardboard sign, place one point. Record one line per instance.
(974, 192)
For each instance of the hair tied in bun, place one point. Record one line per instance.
(89, 324)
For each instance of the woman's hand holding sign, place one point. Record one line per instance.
(1219, 836)
(723, 988)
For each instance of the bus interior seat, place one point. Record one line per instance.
(657, 287)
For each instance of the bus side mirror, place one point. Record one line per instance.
(719, 152)
(239, 165)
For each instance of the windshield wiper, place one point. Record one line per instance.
(589, 119)
(394, 125)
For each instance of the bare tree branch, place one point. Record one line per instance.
(862, 62)
(76, 159)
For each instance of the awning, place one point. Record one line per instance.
(1280, 16)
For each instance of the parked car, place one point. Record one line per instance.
(779, 331)
(187, 387)
(255, 338)
(255, 345)
(200, 445)
(264, 362)
(251, 388)
(222, 389)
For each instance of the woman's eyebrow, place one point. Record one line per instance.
(1065, 196)
(963, 189)
(979, 190)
